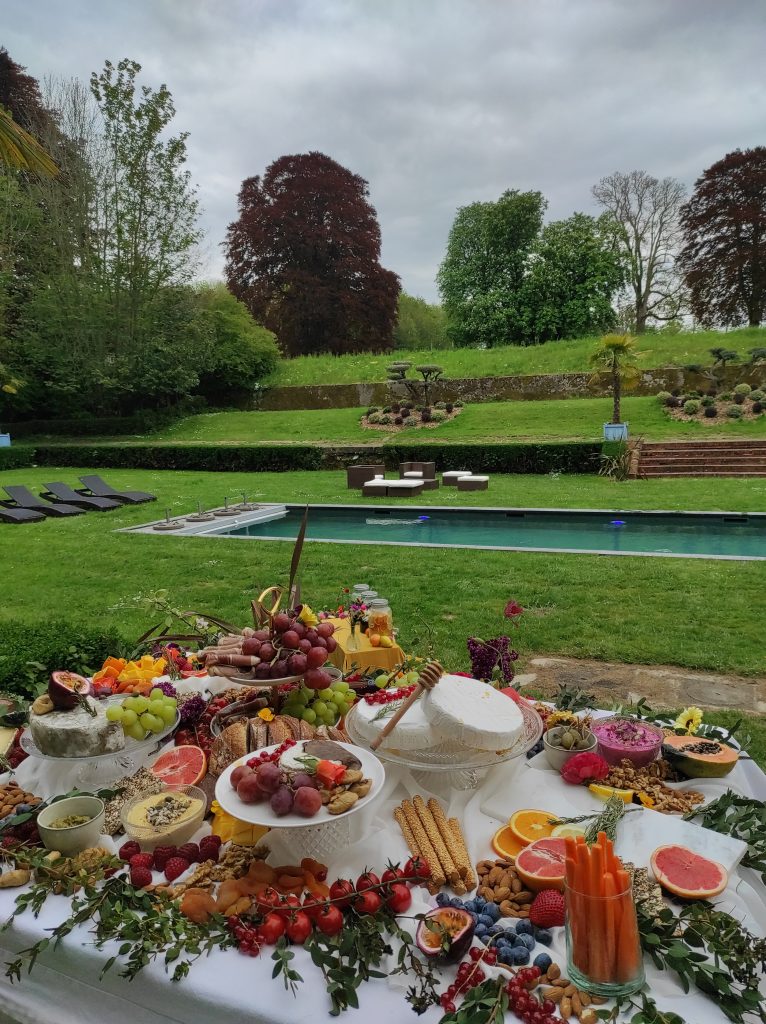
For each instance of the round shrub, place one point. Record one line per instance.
(385, 420)
(734, 412)
(438, 415)
(396, 407)
(757, 408)
(662, 397)
(707, 401)
(742, 389)
(725, 396)
(756, 395)
(672, 402)
(710, 412)
(440, 405)
(425, 416)
(374, 417)
(449, 407)
(694, 394)
(398, 421)
(691, 407)
(739, 398)
(386, 408)
(711, 392)
(675, 392)
(410, 421)
(373, 409)
(426, 408)
(459, 404)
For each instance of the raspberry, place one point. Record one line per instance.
(547, 910)
(190, 852)
(175, 867)
(142, 860)
(140, 877)
(208, 850)
(129, 849)
(162, 855)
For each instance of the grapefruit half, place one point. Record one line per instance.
(686, 874)
(542, 864)
(180, 766)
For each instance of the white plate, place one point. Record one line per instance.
(262, 814)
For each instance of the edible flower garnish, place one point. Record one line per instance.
(584, 768)
(266, 715)
(689, 720)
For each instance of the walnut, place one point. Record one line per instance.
(342, 803)
(350, 776)
(361, 788)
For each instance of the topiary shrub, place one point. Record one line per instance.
(694, 394)
(426, 408)
(410, 421)
(373, 409)
(691, 407)
(438, 415)
(756, 395)
(675, 393)
(711, 392)
(725, 396)
(374, 418)
(459, 404)
(706, 402)
(739, 398)
(398, 421)
(757, 408)
(734, 412)
(385, 420)
(710, 411)
(386, 408)
(440, 405)
(663, 396)
(396, 407)
(449, 407)
(425, 416)
(672, 402)
(742, 389)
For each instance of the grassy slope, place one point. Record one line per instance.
(554, 357)
(564, 419)
(696, 613)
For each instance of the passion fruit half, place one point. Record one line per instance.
(67, 689)
(445, 934)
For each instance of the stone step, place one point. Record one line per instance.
(649, 471)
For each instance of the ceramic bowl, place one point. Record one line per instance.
(172, 834)
(614, 749)
(76, 838)
(557, 757)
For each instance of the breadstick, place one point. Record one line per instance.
(432, 831)
(456, 851)
(409, 838)
(457, 832)
(426, 849)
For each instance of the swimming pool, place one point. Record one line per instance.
(671, 534)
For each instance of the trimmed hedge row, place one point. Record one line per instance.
(104, 426)
(574, 457)
(16, 457)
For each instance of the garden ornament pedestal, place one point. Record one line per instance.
(615, 431)
(5, 440)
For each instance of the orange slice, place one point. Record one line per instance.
(505, 844)
(528, 825)
(180, 766)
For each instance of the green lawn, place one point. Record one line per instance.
(560, 420)
(553, 357)
(694, 613)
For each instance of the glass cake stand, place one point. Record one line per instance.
(100, 768)
(460, 767)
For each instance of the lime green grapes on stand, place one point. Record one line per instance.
(141, 716)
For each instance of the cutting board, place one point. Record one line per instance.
(639, 833)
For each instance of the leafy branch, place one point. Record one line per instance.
(741, 818)
(647, 1012)
(484, 1004)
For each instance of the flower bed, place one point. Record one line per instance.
(396, 417)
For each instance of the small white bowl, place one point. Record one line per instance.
(76, 838)
(168, 835)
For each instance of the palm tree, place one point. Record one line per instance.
(617, 356)
(21, 151)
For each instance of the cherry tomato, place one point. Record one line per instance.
(341, 892)
(299, 928)
(329, 920)
(392, 874)
(368, 902)
(400, 898)
(273, 928)
(288, 905)
(268, 900)
(312, 907)
(416, 867)
(367, 880)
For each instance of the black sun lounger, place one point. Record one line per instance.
(101, 489)
(58, 492)
(19, 515)
(24, 498)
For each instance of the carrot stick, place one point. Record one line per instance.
(582, 886)
(610, 928)
(628, 954)
(597, 936)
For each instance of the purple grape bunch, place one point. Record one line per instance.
(488, 655)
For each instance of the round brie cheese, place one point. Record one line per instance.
(76, 733)
(472, 713)
(412, 732)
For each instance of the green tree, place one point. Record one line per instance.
(243, 353)
(484, 267)
(616, 356)
(574, 273)
(419, 324)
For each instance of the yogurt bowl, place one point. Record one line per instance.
(621, 736)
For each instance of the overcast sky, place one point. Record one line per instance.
(437, 103)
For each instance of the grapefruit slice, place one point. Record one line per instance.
(542, 864)
(686, 874)
(505, 844)
(180, 766)
(528, 825)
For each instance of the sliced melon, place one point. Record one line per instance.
(699, 758)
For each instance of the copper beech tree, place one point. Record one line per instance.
(304, 256)
(724, 253)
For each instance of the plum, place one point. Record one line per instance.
(306, 802)
(282, 801)
(248, 789)
(268, 776)
(239, 773)
(302, 779)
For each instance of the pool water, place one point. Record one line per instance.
(690, 534)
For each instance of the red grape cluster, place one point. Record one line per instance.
(386, 696)
(291, 648)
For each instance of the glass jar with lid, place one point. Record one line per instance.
(379, 619)
(358, 590)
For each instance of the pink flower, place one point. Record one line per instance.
(512, 610)
(584, 768)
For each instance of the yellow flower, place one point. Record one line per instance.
(266, 715)
(689, 720)
(645, 800)
(307, 617)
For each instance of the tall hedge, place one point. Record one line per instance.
(16, 457)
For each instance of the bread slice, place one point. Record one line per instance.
(259, 734)
(308, 732)
(279, 730)
(293, 724)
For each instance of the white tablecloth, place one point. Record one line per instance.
(228, 988)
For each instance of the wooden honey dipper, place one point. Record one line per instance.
(427, 680)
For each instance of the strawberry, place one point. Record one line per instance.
(140, 877)
(142, 860)
(190, 852)
(547, 909)
(129, 849)
(162, 855)
(175, 867)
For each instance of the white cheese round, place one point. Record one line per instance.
(412, 732)
(472, 713)
(75, 733)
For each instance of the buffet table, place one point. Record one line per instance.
(228, 988)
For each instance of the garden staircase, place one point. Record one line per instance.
(701, 458)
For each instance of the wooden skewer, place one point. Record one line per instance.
(429, 677)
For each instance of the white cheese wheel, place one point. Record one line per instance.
(75, 733)
(412, 732)
(472, 713)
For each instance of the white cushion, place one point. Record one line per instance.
(414, 474)
(409, 484)
(379, 484)
(470, 476)
(455, 474)
(378, 476)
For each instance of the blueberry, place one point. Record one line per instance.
(456, 902)
(525, 940)
(503, 943)
(470, 905)
(543, 936)
(481, 931)
(485, 919)
(492, 910)
(497, 929)
(520, 955)
(543, 961)
(506, 956)
(480, 903)
(524, 927)
(23, 808)
(442, 899)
